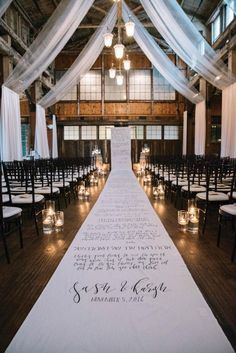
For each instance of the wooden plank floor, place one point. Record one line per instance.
(23, 280)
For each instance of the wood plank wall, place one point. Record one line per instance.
(112, 112)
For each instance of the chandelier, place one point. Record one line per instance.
(119, 48)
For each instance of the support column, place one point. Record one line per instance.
(7, 61)
(232, 61)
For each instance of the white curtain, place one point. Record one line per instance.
(185, 130)
(48, 44)
(54, 138)
(10, 123)
(228, 122)
(160, 60)
(4, 4)
(83, 62)
(41, 138)
(200, 128)
(183, 37)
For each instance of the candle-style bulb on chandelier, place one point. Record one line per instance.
(112, 71)
(127, 63)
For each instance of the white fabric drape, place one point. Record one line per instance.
(48, 44)
(10, 123)
(159, 59)
(83, 62)
(228, 122)
(200, 128)
(4, 4)
(185, 129)
(54, 138)
(183, 37)
(41, 138)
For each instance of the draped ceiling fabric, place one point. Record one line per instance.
(48, 44)
(41, 138)
(200, 129)
(183, 37)
(159, 59)
(228, 124)
(4, 4)
(11, 148)
(83, 63)
(54, 138)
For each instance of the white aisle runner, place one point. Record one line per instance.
(122, 286)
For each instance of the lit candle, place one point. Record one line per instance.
(183, 221)
(47, 221)
(59, 223)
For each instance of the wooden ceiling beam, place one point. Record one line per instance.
(90, 25)
(99, 9)
(55, 3)
(137, 8)
(38, 7)
(23, 14)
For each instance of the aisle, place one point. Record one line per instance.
(122, 286)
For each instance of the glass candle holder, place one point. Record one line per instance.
(161, 191)
(86, 193)
(155, 192)
(59, 221)
(192, 206)
(183, 219)
(194, 221)
(81, 191)
(48, 221)
(50, 206)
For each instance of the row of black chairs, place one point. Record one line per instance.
(210, 181)
(26, 185)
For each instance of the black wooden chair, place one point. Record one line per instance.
(10, 220)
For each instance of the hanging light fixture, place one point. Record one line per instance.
(112, 71)
(119, 50)
(127, 63)
(129, 27)
(108, 37)
(119, 47)
(119, 79)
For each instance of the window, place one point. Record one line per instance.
(71, 132)
(153, 132)
(230, 8)
(114, 92)
(162, 90)
(89, 132)
(171, 132)
(25, 138)
(91, 86)
(215, 28)
(105, 132)
(140, 84)
(71, 95)
(137, 132)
